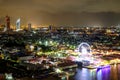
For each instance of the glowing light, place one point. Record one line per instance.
(31, 47)
(57, 70)
(51, 42)
(46, 43)
(9, 76)
(40, 42)
(34, 32)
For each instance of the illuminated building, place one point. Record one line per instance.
(8, 22)
(18, 24)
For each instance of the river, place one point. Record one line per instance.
(109, 73)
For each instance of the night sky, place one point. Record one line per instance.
(62, 12)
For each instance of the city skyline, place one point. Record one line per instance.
(61, 12)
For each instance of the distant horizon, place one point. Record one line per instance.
(81, 19)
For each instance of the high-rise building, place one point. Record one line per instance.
(29, 27)
(8, 22)
(50, 27)
(18, 24)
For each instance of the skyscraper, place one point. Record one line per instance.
(8, 22)
(29, 27)
(18, 24)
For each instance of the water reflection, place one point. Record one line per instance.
(115, 72)
(103, 74)
(85, 74)
(109, 73)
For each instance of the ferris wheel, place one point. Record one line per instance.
(84, 48)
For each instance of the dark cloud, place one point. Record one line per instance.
(59, 11)
(56, 6)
